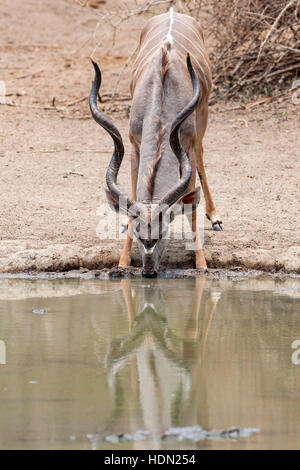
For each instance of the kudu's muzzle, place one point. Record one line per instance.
(150, 274)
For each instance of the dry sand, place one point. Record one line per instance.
(53, 161)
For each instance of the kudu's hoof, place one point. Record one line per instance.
(217, 226)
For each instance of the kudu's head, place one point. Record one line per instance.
(150, 222)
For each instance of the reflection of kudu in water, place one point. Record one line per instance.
(166, 370)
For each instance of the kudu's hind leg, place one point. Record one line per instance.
(211, 211)
(125, 258)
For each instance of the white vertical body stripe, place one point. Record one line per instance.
(169, 35)
(180, 33)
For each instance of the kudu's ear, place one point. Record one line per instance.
(188, 203)
(192, 198)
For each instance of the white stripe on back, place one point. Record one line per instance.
(171, 39)
(169, 35)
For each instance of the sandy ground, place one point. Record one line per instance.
(53, 158)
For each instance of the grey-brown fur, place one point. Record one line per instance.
(153, 168)
(171, 81)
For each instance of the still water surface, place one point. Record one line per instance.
(81, 360)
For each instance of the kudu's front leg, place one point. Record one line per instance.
(200, 261)
(130, 306)
(125, 258)
(199, 253)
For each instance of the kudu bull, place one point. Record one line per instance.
(166, 138)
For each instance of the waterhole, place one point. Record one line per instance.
(149, 364)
